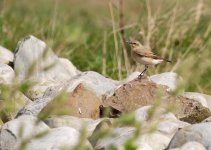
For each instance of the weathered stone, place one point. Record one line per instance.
(7, 74)
(200, 133)
(169, 79)
(79, 124)
(34, 108)
(142, 92)
(18, 130)
(166, 123)
(204, 99)
(6, 56)
(119, 136)
(92, 81)
(191, 146)
(57, 139)
(81, 103)
(36, 61)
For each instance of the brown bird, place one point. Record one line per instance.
(144, 56)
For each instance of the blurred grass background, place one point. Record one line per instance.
(88, 33)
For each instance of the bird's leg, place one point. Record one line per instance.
(142, 73)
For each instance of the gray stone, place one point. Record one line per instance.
(36, 61)
(7, 74)
(119, 136)
(18, 130)
(92, 81)
(57, 139)
(34, 107)
(169, 79)
(79, 124)
(200, 133)
(166, 123)
(6, 56)
(191, 146)
(204, 99)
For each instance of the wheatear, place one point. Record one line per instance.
(144, 55)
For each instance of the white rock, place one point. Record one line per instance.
(131, 77)
(204, 99)
(148, 141)
(166, 123)
(117, 138)
(6, 55)
(44, 89)
(200, 133)
(79, 124)
(20, 129)
(155, 140)
(169, 79)
(34, 107)
(57, 139)
(191, 146)
(7, 74)
(141, 114)
(35, 60)
(93, 81)
(69, 66)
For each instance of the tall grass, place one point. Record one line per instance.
(89, 34)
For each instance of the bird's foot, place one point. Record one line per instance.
(141, 76)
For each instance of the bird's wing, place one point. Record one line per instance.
(146, 53)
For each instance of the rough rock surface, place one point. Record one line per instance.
(204, 99)
(81, 103)
(6, 56)
(34, 107)
(119, 136)
(200, 133)
(92, 81)
(166, 123)
(138, 93)
(17, 130)
(77, 123)
(36, 61)
(190, 146)
(57, 139)
(7, 74)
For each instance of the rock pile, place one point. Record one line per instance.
(57, 106)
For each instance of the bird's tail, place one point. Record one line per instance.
(167, 60)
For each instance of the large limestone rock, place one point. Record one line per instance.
(57, 139)
(166, 123)
(35, 60)
(169, 79)
(200, 133)
(6, 56)
(79, 124)
(18, 130)
(81, 103)
(92, 81)
(7, 74)
(34, 107)
(36, 63)
(204, 99)
(191, 146)
(142, 92)
(119, 136)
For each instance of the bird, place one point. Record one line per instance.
(144, 55)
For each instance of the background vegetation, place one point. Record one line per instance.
(89, 33)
